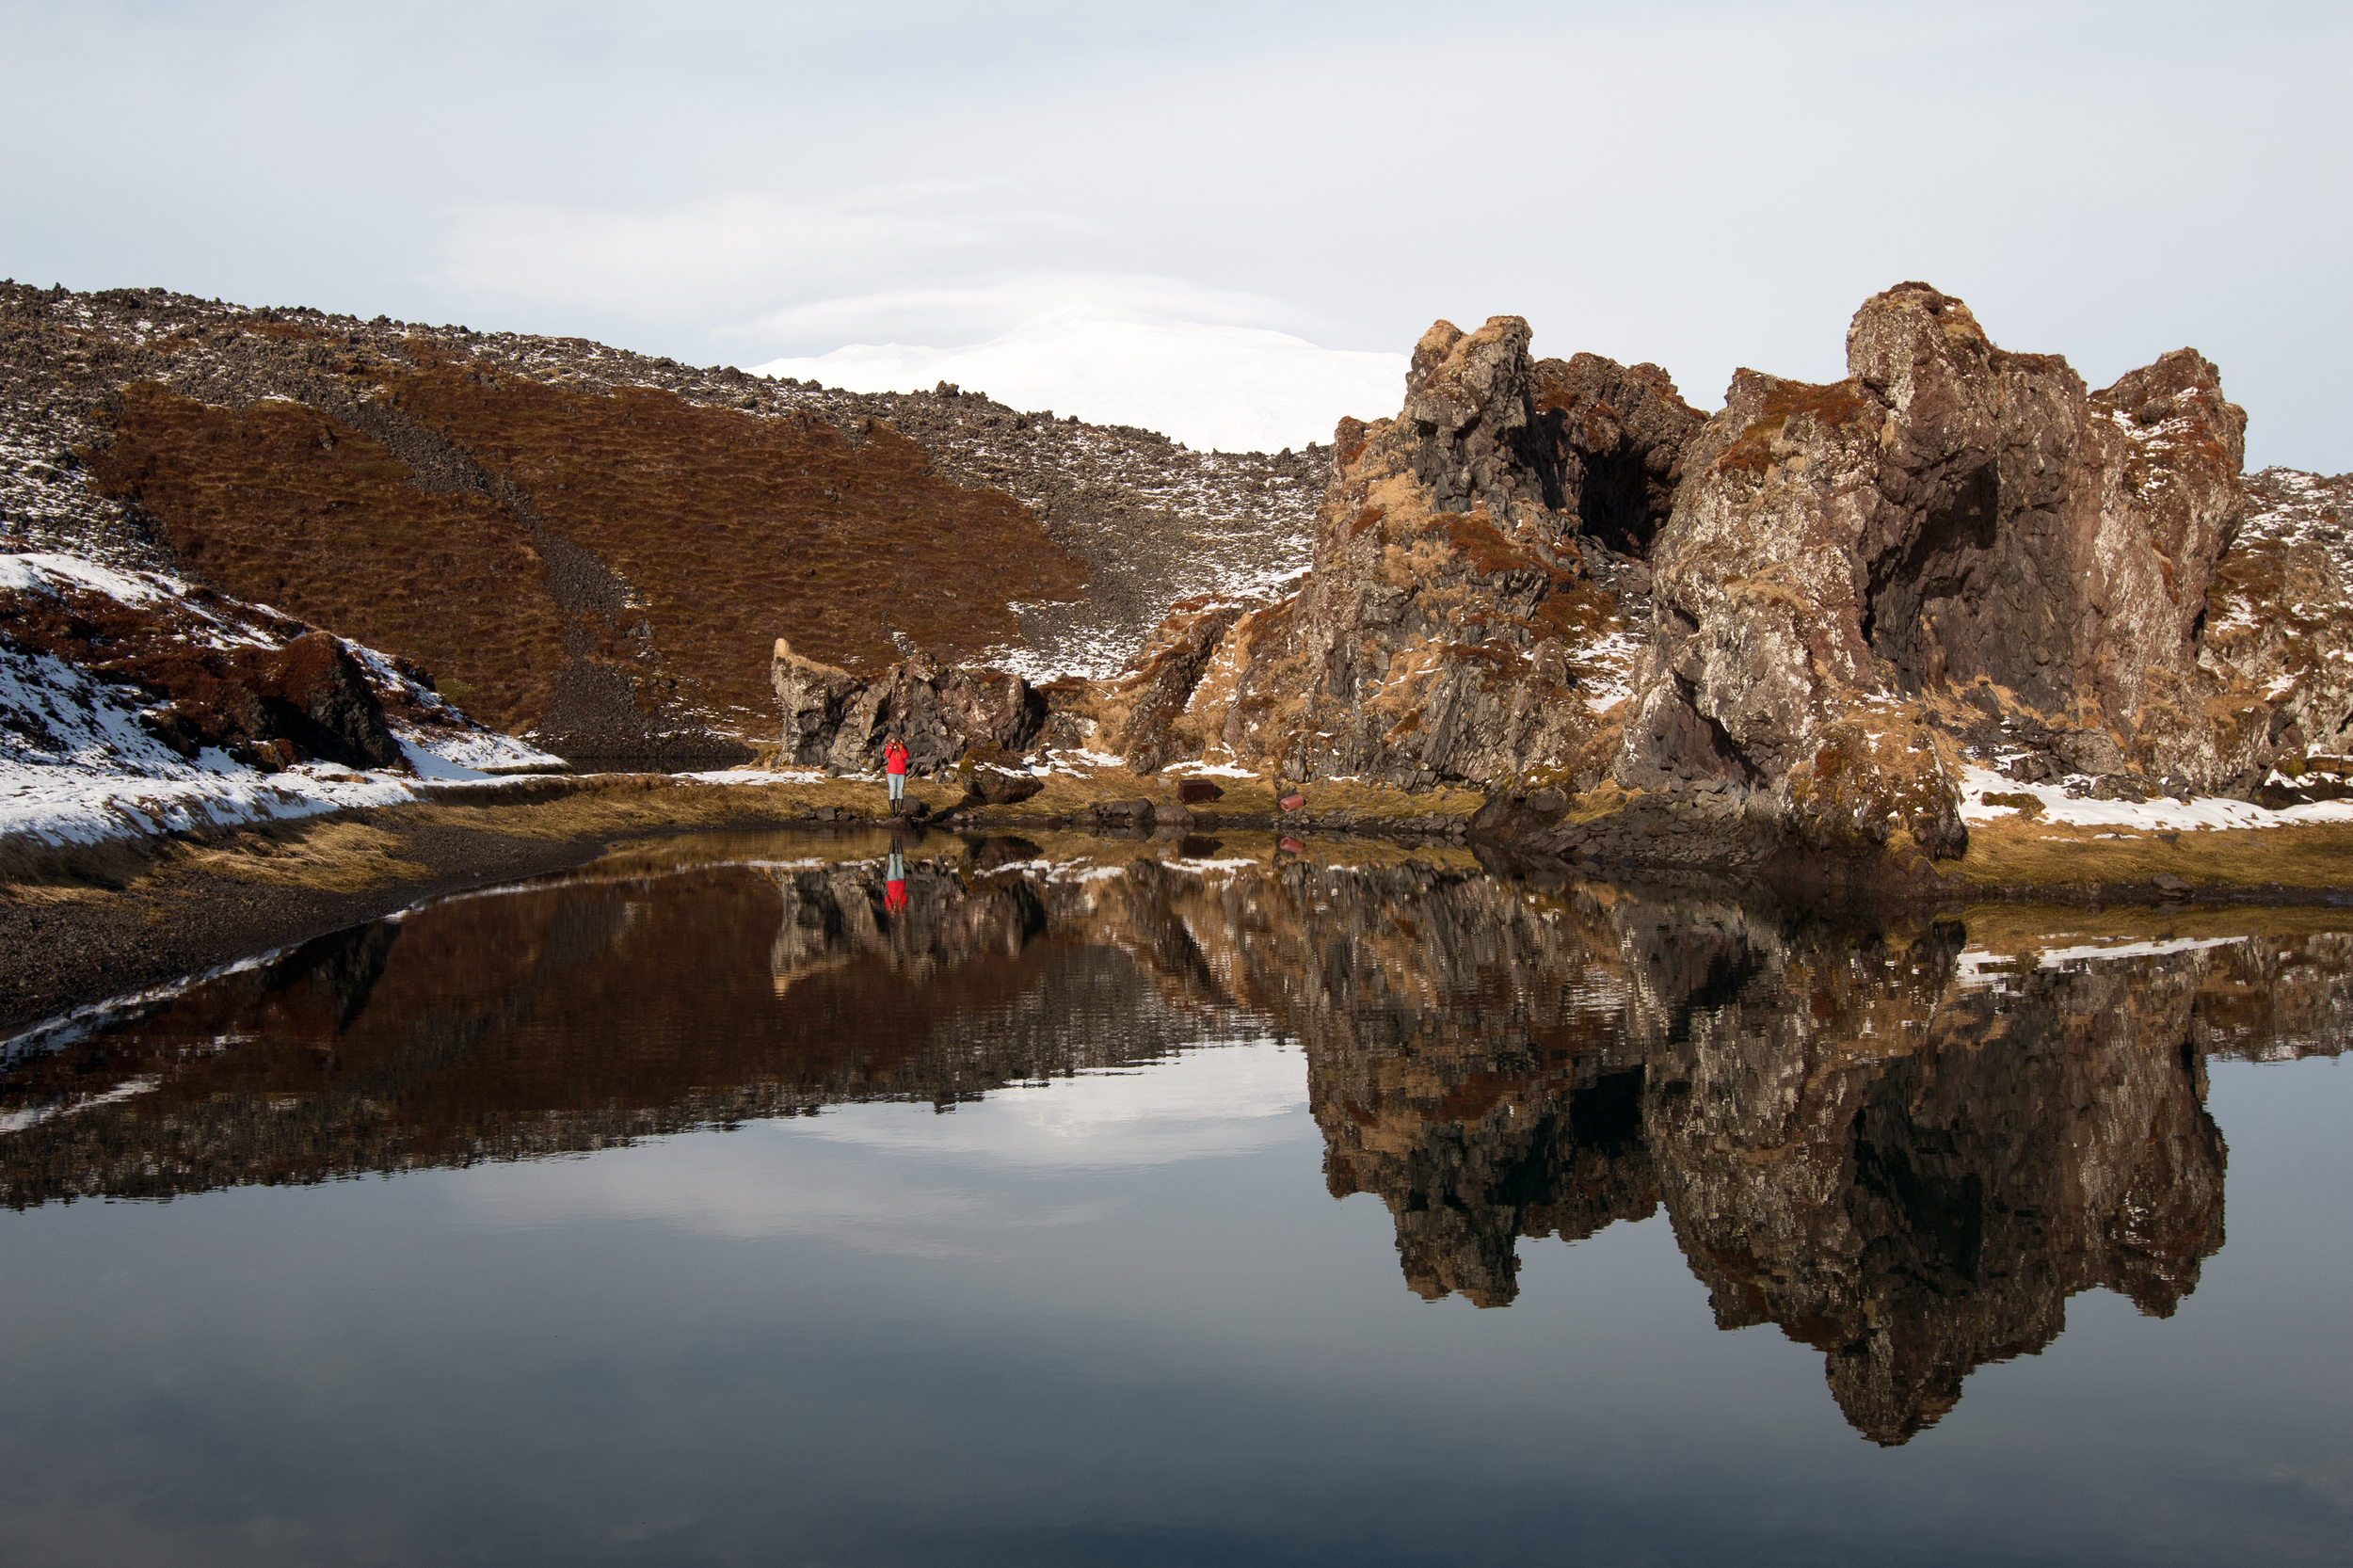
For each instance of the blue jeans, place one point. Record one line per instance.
(898, 785)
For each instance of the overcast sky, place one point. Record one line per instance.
(1700, 185)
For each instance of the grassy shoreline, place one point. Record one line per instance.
(85, 922)
(346, 851)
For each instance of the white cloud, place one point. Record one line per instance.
(984, 306)
(1210, 385)
(730, 254)
(1647, 182)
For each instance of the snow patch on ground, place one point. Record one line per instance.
(77, 766)
(1209, 770)
(759, 775)
(1074, 763)
(2154, 816)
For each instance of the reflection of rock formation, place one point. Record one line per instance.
(1909, 1175)
(1918, 1214)
(1906, 1161)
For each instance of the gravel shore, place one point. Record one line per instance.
(65, 953)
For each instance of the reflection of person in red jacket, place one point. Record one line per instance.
(895, 884)
(895, 768)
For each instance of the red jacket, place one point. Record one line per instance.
(895, 757)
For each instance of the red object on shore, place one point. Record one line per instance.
(1290, 846)
(1292, 802)
(895, 757)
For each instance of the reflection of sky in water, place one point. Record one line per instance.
(904, 1179)
(1198, 1360)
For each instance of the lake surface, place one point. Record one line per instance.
(1082, 1202)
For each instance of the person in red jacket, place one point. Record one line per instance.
(895, 884)
(895, 768)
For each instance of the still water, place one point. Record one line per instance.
(1081, 1202)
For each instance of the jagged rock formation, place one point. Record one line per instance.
(597, 547)
(1468, 613)
(1470, 609)
(1954, 535)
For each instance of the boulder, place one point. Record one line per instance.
(833, 718)
(313, 694)
(997, 786)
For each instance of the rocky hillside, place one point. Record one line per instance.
(594, 548)
(1810, 633)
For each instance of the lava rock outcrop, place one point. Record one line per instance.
(1468, 612)
(1856, 575)
(834, 719)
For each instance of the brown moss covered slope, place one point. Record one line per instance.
(728, 526)
(588, 546)
(278, 504)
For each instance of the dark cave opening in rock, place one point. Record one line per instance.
(1614, 504)
(1943, 564)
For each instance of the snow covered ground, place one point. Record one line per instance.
(78, 766)
(2160, 815)
(1212, 386)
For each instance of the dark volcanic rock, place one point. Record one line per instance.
(1617, 435)
(1847, 564)
(995, 786)
(313, 693)
(834, 719)
(1460, 622)
(297, 696)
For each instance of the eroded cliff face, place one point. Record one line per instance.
(1952, 543)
